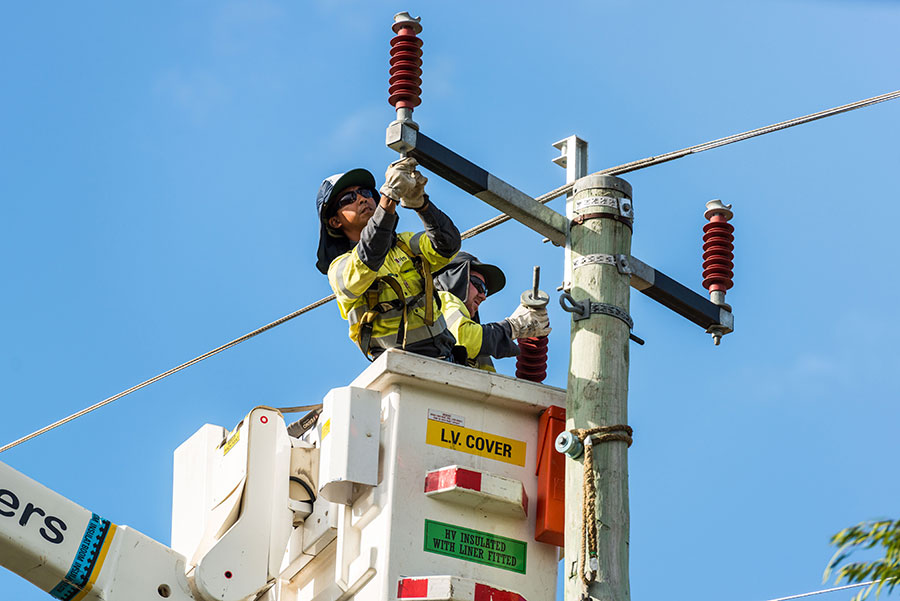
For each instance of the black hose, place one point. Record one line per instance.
(306, 487)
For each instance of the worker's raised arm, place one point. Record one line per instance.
(352, 273)
(441, 234)
(404, 183)
(440, 229)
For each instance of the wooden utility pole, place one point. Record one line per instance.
(596, 231)
(598, 380)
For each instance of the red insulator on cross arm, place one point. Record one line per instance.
(531, 364)
(406, 65)
(718, 250)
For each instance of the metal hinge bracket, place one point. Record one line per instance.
(584, 309)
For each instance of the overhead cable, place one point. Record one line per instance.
(483, 227)
(677, 154)
(828, 590)
(206, 355)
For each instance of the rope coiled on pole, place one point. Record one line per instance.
(589, 437)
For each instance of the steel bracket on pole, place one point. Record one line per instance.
(586, 308)
(623, 265)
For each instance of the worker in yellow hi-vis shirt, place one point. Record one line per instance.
(462, 286)
(382, 279)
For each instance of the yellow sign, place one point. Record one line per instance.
(232, 441)
(326, 428)
(474, 442)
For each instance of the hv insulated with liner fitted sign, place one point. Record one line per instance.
(475, 546)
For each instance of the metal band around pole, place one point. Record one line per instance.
(594, 259)
(613, 311)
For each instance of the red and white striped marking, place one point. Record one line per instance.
(452, 588)
(479, 489)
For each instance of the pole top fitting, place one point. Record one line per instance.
(716, 207)
(606, 182)
(405, 21)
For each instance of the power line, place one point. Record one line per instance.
(671, 156)
(206, 355)
(483, 227)
(677, 154)
(828, 590)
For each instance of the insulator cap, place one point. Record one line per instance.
(717, 207)
(405, 21)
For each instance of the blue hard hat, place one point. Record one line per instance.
(333, 244)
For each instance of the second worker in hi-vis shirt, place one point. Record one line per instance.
(462, 286)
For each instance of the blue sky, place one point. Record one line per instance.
(158, 170)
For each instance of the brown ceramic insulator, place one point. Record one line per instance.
(406, 67)
(531, 364)
(718, 255)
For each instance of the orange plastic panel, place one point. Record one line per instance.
(551, 476)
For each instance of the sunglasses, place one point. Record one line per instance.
(350, 197)
(480, 286)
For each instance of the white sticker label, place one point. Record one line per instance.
(446, 418)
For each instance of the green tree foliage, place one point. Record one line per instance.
(867, 535)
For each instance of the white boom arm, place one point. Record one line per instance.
(235, 530)
(75, 555)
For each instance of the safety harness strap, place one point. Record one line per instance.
(366, 322)
(424, 269)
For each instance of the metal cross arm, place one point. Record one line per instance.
(476, 181)
(468, 176)
(676, 296)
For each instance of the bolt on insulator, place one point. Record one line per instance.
(718, 256)
(406, 67)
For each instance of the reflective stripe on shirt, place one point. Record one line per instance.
(339, 278)
(453, 316)
(414, 243)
